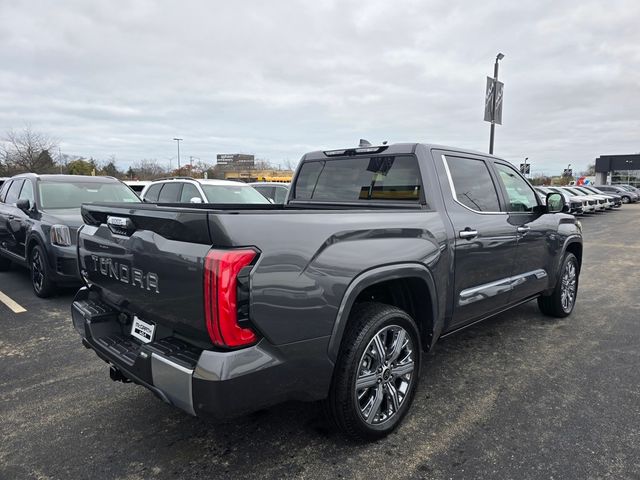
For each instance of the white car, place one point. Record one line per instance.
(601, 202)
(191, 190)
(577, 204)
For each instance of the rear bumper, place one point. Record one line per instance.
(207, 383)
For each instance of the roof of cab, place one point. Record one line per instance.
(394, 149)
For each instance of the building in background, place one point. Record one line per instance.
(243, 167)
(235, 161)
(616, 169)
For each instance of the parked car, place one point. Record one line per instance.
(573, 205)
(614, 198)
(274, 191)
(589, 204)
(39, 218)
(626, 195)
(600, 201)
(191, 190)
(137, 185)
(377, 253)
(631, 188)
(609, 201)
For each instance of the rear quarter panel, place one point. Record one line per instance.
(308, 259)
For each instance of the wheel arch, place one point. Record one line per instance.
(574, 247)
(33, 240)
(414, 290)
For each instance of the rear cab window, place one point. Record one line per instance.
(390, 178)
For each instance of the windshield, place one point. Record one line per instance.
(233, 194)
(55, 195)
(575, 192)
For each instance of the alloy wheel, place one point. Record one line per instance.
(568, 286)
(385, 374)
(37, 270)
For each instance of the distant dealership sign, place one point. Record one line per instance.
(488, 101)
(236, 160)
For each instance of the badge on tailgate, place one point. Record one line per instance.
(142, 330)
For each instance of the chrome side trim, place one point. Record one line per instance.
(174, 380)
(488, 290)
(455, 195)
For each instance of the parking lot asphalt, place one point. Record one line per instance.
(518, 396)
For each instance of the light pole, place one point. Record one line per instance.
(525, 167)
(499, 57)
(178, 140)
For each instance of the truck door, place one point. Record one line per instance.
(531, 271)
(485, 239)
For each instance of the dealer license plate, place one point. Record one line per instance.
(142, 330)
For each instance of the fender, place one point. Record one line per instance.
(35, 236)
(377, 275)
(571, 239)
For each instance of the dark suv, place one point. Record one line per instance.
(39, 218)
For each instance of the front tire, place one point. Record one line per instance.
(377, 372)
(626, 199)
(562, 300)
(41, 281)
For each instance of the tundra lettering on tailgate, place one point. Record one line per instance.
(124, 273)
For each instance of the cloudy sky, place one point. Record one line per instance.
(280, 78)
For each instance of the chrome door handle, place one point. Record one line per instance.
(523, 229)
(468, 234)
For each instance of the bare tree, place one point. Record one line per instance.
(148, 169)
(29, 151)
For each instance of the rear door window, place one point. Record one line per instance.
(4, 190)
(189, 191)
(170, 193)
(281, 194)
(13, 192)
(472, 184)
(152, 193)
(361, 179)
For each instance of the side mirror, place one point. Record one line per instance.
(555, 203)
(195, 200)
(24, 205)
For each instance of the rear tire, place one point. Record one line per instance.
(377, 372)
(5, 264)
(626, 199)
(41, 281)
(562, 300)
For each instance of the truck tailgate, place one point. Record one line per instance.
(121, 258)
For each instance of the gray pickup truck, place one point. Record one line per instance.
(378, 252)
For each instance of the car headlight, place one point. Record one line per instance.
(60, 235)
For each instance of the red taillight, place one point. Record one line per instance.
(221, 269)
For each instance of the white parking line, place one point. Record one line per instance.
(14, 306)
